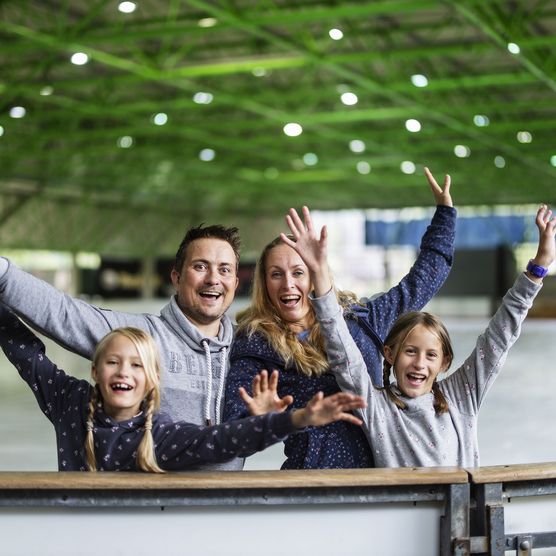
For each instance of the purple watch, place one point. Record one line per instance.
(536, 270)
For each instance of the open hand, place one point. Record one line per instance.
(311, 247)
(265, 395)
(321, 411)
(546, 251)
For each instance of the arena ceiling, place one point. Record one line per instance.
(178, 115)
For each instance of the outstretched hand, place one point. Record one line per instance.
(441, 196)
(265, 395)
(311, 247)
(546, 250)
(321, 411)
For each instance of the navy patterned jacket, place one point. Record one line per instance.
(179, 445)
(340, 444)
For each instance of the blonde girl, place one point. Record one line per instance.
(115, 425)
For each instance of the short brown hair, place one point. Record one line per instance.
(216, 231)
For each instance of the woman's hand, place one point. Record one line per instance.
(311, 247)
(265, 395)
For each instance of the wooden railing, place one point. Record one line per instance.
(407, 511)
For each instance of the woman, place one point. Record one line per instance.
(282, 329)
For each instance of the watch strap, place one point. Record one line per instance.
(536, 270)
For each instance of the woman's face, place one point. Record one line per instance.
(288, 286)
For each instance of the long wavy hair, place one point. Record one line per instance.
(308, 356)
(399, 332)
(150, 358)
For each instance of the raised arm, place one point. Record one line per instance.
(480, 369)
(72, 323)
(27, 353)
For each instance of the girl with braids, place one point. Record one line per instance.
(115, 425)
(417, 421)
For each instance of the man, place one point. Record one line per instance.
(192, 330)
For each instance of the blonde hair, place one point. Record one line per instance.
(400, 330)
(148, 353)
(261, 316)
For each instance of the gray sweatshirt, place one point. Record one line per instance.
(194, 367)
(416, 436)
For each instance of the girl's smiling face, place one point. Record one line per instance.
(121, 378)
(418, 361)
(288, 286)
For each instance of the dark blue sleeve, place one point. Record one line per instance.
(52, 388)
(183, 445)
(425, 277)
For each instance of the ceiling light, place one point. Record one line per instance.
(310, 159)
(356, 146)
(419, 80)
(160, 119)
(413, 125)
(17, 112)
(79, 58)
(349, 99)
(513, 48)
(335, 34)
(46, 91)
(125, 142)
(127, 7)
(480, 120)
(499, 161)
(524, 137)
(462, 151)
(363, 167)
(207, 22)
(408, 167)
(206, 155)
(202, 98)
(292, 129)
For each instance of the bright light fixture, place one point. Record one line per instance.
(413, 125)
(349, 99)
(206, 155)
(363, 167)
(17, 112)
(499, 161)
(335, 34)
(127, 7)
(79, 58)
(462, 151)
(419, 80)
(356, 146)
(292, 129)
(408, 167)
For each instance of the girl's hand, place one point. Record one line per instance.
(321, 411)
(265, 395)
(441, 196)
(311, 247)
(546, 251)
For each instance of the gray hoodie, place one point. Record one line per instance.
(194, 367)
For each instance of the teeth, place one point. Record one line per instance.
(211, 294)
(290, 298)
(120, 386)
(415, 376)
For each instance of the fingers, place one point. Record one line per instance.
(432, 182)
(247, 399)
(287, 400)
(349, 418)
(273, 380)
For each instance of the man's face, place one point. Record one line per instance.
(207, 282)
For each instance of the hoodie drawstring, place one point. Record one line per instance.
(223, 359)
(205, 344)
(220, 392)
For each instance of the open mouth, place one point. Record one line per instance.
(416, 378)
(212, 295)
(290, 300)
(120, 387)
